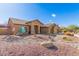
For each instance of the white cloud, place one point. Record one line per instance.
(53, 15)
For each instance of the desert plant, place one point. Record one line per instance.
(71, 28)
(67, 39)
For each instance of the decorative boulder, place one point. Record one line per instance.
(69, 33)
(47, 44)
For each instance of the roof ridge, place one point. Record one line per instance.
(12, 18)
(35, 20)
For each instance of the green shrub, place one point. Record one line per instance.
(67, 39)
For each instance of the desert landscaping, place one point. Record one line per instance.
(39, 45)
(33, 38)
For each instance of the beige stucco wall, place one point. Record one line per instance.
(17, 26)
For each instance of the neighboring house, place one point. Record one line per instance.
(4, 29)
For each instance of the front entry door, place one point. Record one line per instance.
(29, 29)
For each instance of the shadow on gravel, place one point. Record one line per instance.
(12, 38)
(53, 48)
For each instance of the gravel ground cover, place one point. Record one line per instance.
(30, 46)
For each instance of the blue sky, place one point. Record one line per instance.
(66, 14)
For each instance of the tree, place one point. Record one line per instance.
(71, 28)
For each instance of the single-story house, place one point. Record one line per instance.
(31, 27)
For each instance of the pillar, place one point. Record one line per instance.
(27, 29)
(32, 29)
(38, 29)
(49, 29)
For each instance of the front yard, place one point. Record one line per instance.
(30, 45)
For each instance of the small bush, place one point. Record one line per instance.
(67, 39)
